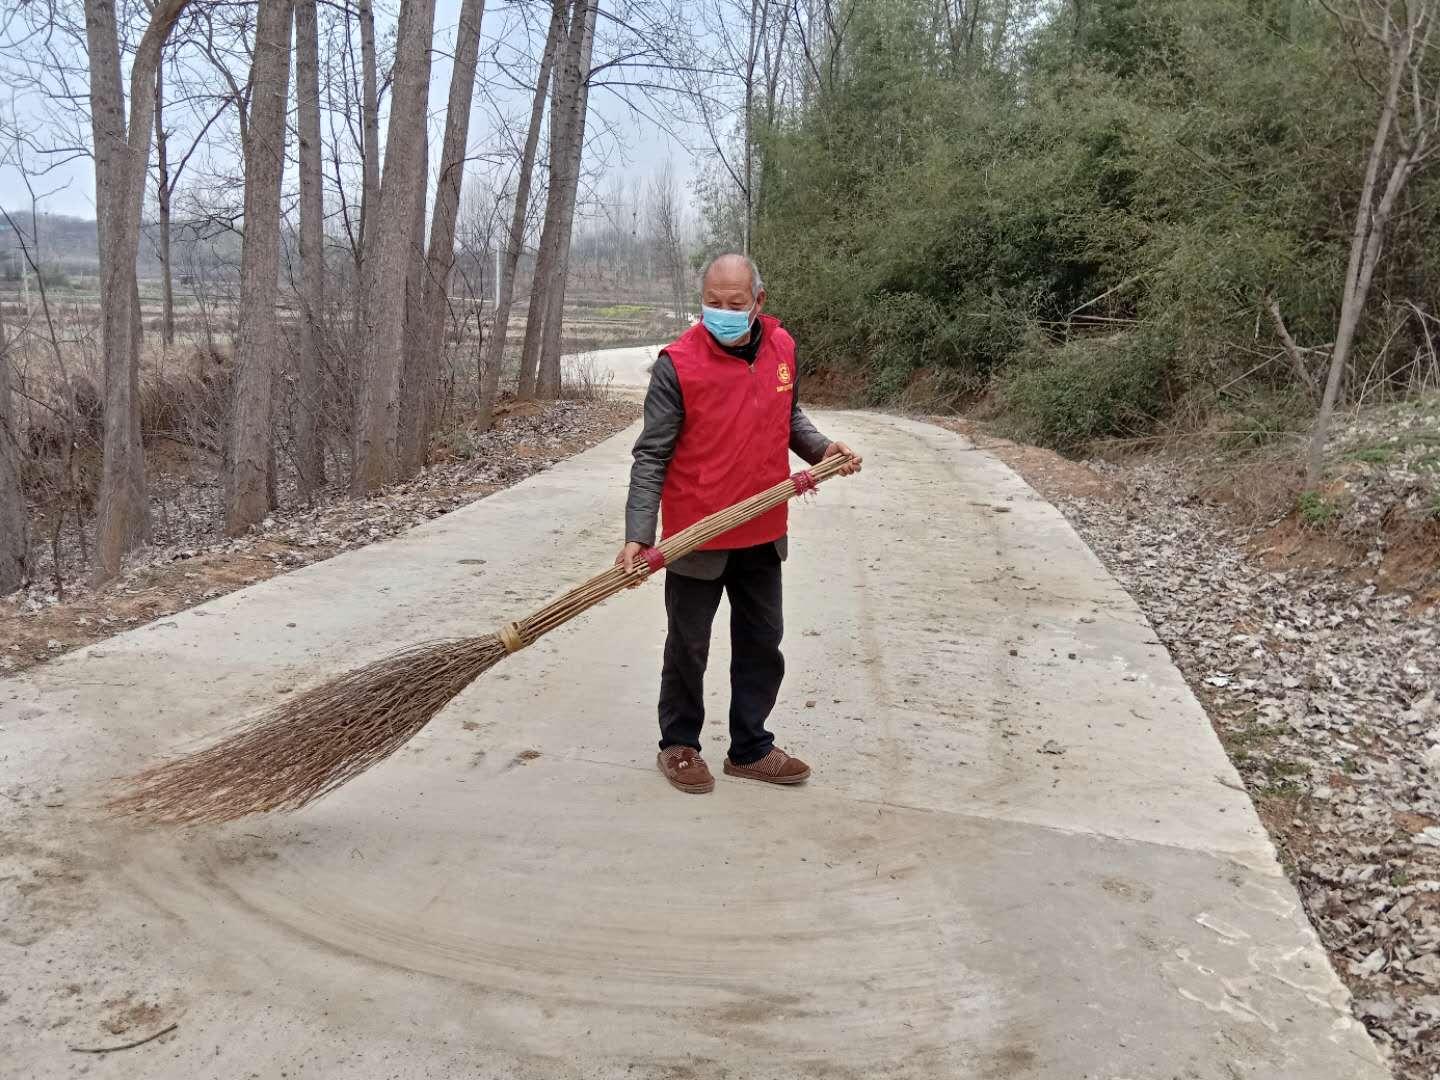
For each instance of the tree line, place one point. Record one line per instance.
(1104, 218)
(340, 289)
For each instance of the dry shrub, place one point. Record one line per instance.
(60, 481)
(1260, 487)
(61, 432)
(934, 391)
(87, 399)
(73, 411)
(585, 380)
(190, 405)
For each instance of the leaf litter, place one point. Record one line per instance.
(1322, 686)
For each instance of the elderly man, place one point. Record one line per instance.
(721, 416)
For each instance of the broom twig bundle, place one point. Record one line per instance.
(308, 745)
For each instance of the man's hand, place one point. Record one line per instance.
(838, 448)
(630, 559)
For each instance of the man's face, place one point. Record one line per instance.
(727, 287)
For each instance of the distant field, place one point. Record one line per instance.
(594, 319)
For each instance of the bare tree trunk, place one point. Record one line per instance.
(758, 28)
(665, 223)
(14, 520)
(547, 384)
(426, 345)
(370, 124)
(970, 34)
(122, 164)
(121, 522)
(997, 32)
(377, 414)
(162, 199)
(248, 478)
(774, 67)
(505, 297)
(309, 454)
(1365, 240)
(562, 96)
(1292, 351)
(407, 442)
(369, 188)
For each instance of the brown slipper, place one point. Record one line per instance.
(685, 769)
(776, 767)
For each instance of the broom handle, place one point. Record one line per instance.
(602, 586)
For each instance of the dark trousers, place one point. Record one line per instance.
(752, 582)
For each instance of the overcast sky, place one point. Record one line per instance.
(621, 140)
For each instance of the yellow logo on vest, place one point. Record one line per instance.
(784, 374)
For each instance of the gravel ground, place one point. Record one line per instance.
(1323, 688)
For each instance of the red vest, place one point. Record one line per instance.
(735, 439)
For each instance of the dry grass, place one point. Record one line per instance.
(585, 380)
(1257, 487)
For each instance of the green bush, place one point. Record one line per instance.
(1373, 455)
(1149, 170)
(1316, 510)
(52, 275)
(1068, 395)
(1263, 416)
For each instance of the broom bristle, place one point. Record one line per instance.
(297, 751)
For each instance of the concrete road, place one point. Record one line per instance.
(1023, 853)
(628, 370)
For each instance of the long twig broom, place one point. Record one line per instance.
(295, 752)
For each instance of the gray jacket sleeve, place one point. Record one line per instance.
(805, 441)
(664, 413)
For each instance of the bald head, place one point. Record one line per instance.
(731, 266)
(732, 282)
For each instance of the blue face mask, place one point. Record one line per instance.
(728, 327)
